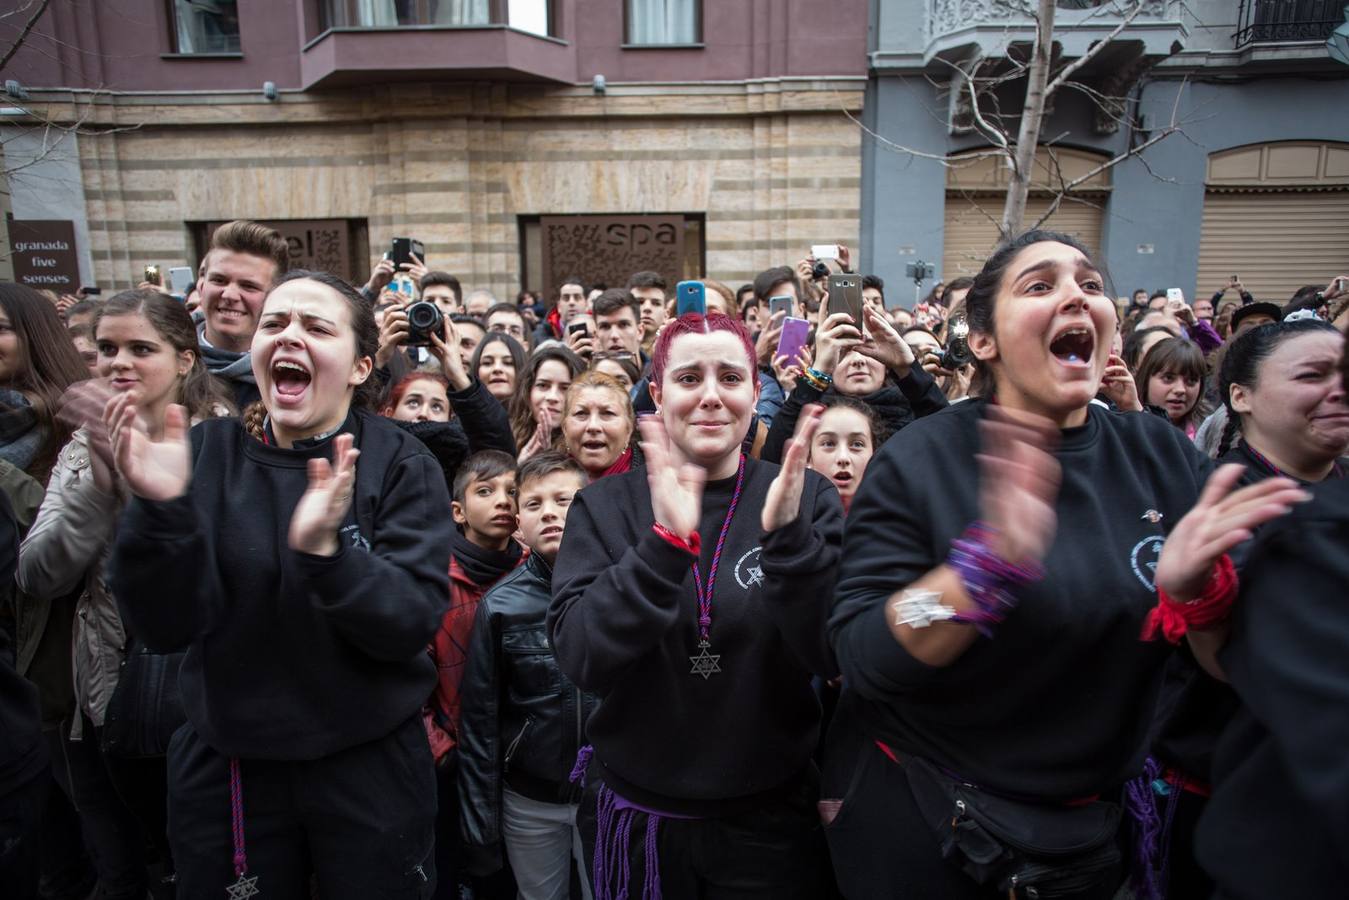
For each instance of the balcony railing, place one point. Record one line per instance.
(1287, 21)
(948, 16)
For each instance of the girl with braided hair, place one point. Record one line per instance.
(1287, 417)
(305, 590)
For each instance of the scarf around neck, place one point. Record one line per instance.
(21, 436)
(225, 364)
(483, 566)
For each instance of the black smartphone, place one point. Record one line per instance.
(403, 249)
(845, 295)
(90, 290)
(579, 328)
(782, 303)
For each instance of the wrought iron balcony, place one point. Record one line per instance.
(1287, 21)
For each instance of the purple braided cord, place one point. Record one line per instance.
(604, 813)
(989, 579)
(623, 849)
(578, 771)
(651, 887)
(1141, 802)
(705, 599)
(1172, 803)
(237, 819)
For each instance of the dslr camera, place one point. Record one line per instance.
(424, 320)
(957, 352)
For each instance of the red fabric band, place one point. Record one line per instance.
(1172, 619)
(691, 545)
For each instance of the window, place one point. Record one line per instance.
(534, 16)
(664, 22)
(205, 26)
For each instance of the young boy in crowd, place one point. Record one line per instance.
(482, 550)
(523, 720)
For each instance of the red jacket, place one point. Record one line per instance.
(449, 649)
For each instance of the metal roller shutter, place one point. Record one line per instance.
(1276, 241)
(971, 234)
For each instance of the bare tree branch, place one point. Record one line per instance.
(23, 34)
(1067, 71)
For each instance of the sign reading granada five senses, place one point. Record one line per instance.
(44, 254)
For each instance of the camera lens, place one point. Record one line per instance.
(819, 271)
(424, 319)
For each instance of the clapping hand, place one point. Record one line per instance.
(314, 524)
(885, 345)
(153, 469)
(676, 489)
(1221, 519)
(1018, 483)
(782, 507)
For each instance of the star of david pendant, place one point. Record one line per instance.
(705, 664)
(244, 888)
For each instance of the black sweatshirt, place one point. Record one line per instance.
(624, 623)
(917, 395)
(1058, 704)
(1278, 822)
(291, 656)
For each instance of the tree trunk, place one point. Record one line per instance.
(1032, 116)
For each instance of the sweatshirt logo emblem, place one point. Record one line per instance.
(1144, 558)
(748, 574)
(356, 540)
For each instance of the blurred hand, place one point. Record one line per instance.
(1018, 483)
(885, 345)
(767, 343)
(155, 470)
(1118, 385)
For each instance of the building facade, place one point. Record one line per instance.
(514, 138)
(1256, 183)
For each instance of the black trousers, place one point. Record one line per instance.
(361, 820)
(776, 851)
(112, 834)
(881, 846)
(20, 849)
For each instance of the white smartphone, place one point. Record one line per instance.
(824, 251)
(180, 279)
(1175, 295)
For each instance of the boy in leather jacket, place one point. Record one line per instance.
(522, 719)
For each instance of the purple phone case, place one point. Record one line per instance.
(793, 338)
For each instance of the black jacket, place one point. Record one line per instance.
(23, 752)
(291, 656)
(917, 395)
(624, 624)
(1278, 822)
(1059, 704)
(522, 721)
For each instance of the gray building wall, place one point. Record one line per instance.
(1227, 101)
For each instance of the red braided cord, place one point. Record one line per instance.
(1171, 619)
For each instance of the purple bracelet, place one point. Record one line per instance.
(990, 580)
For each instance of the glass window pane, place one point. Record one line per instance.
(459, 12)
(662, 21)
(528, 15)
(207, 26)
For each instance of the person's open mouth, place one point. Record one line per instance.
(290, 381)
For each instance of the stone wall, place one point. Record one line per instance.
(774, 165)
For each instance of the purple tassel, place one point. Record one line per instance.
(578, 771)
(651, 887)
(611, 866)
(1140, 801)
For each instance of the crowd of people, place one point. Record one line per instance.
(313, 589)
